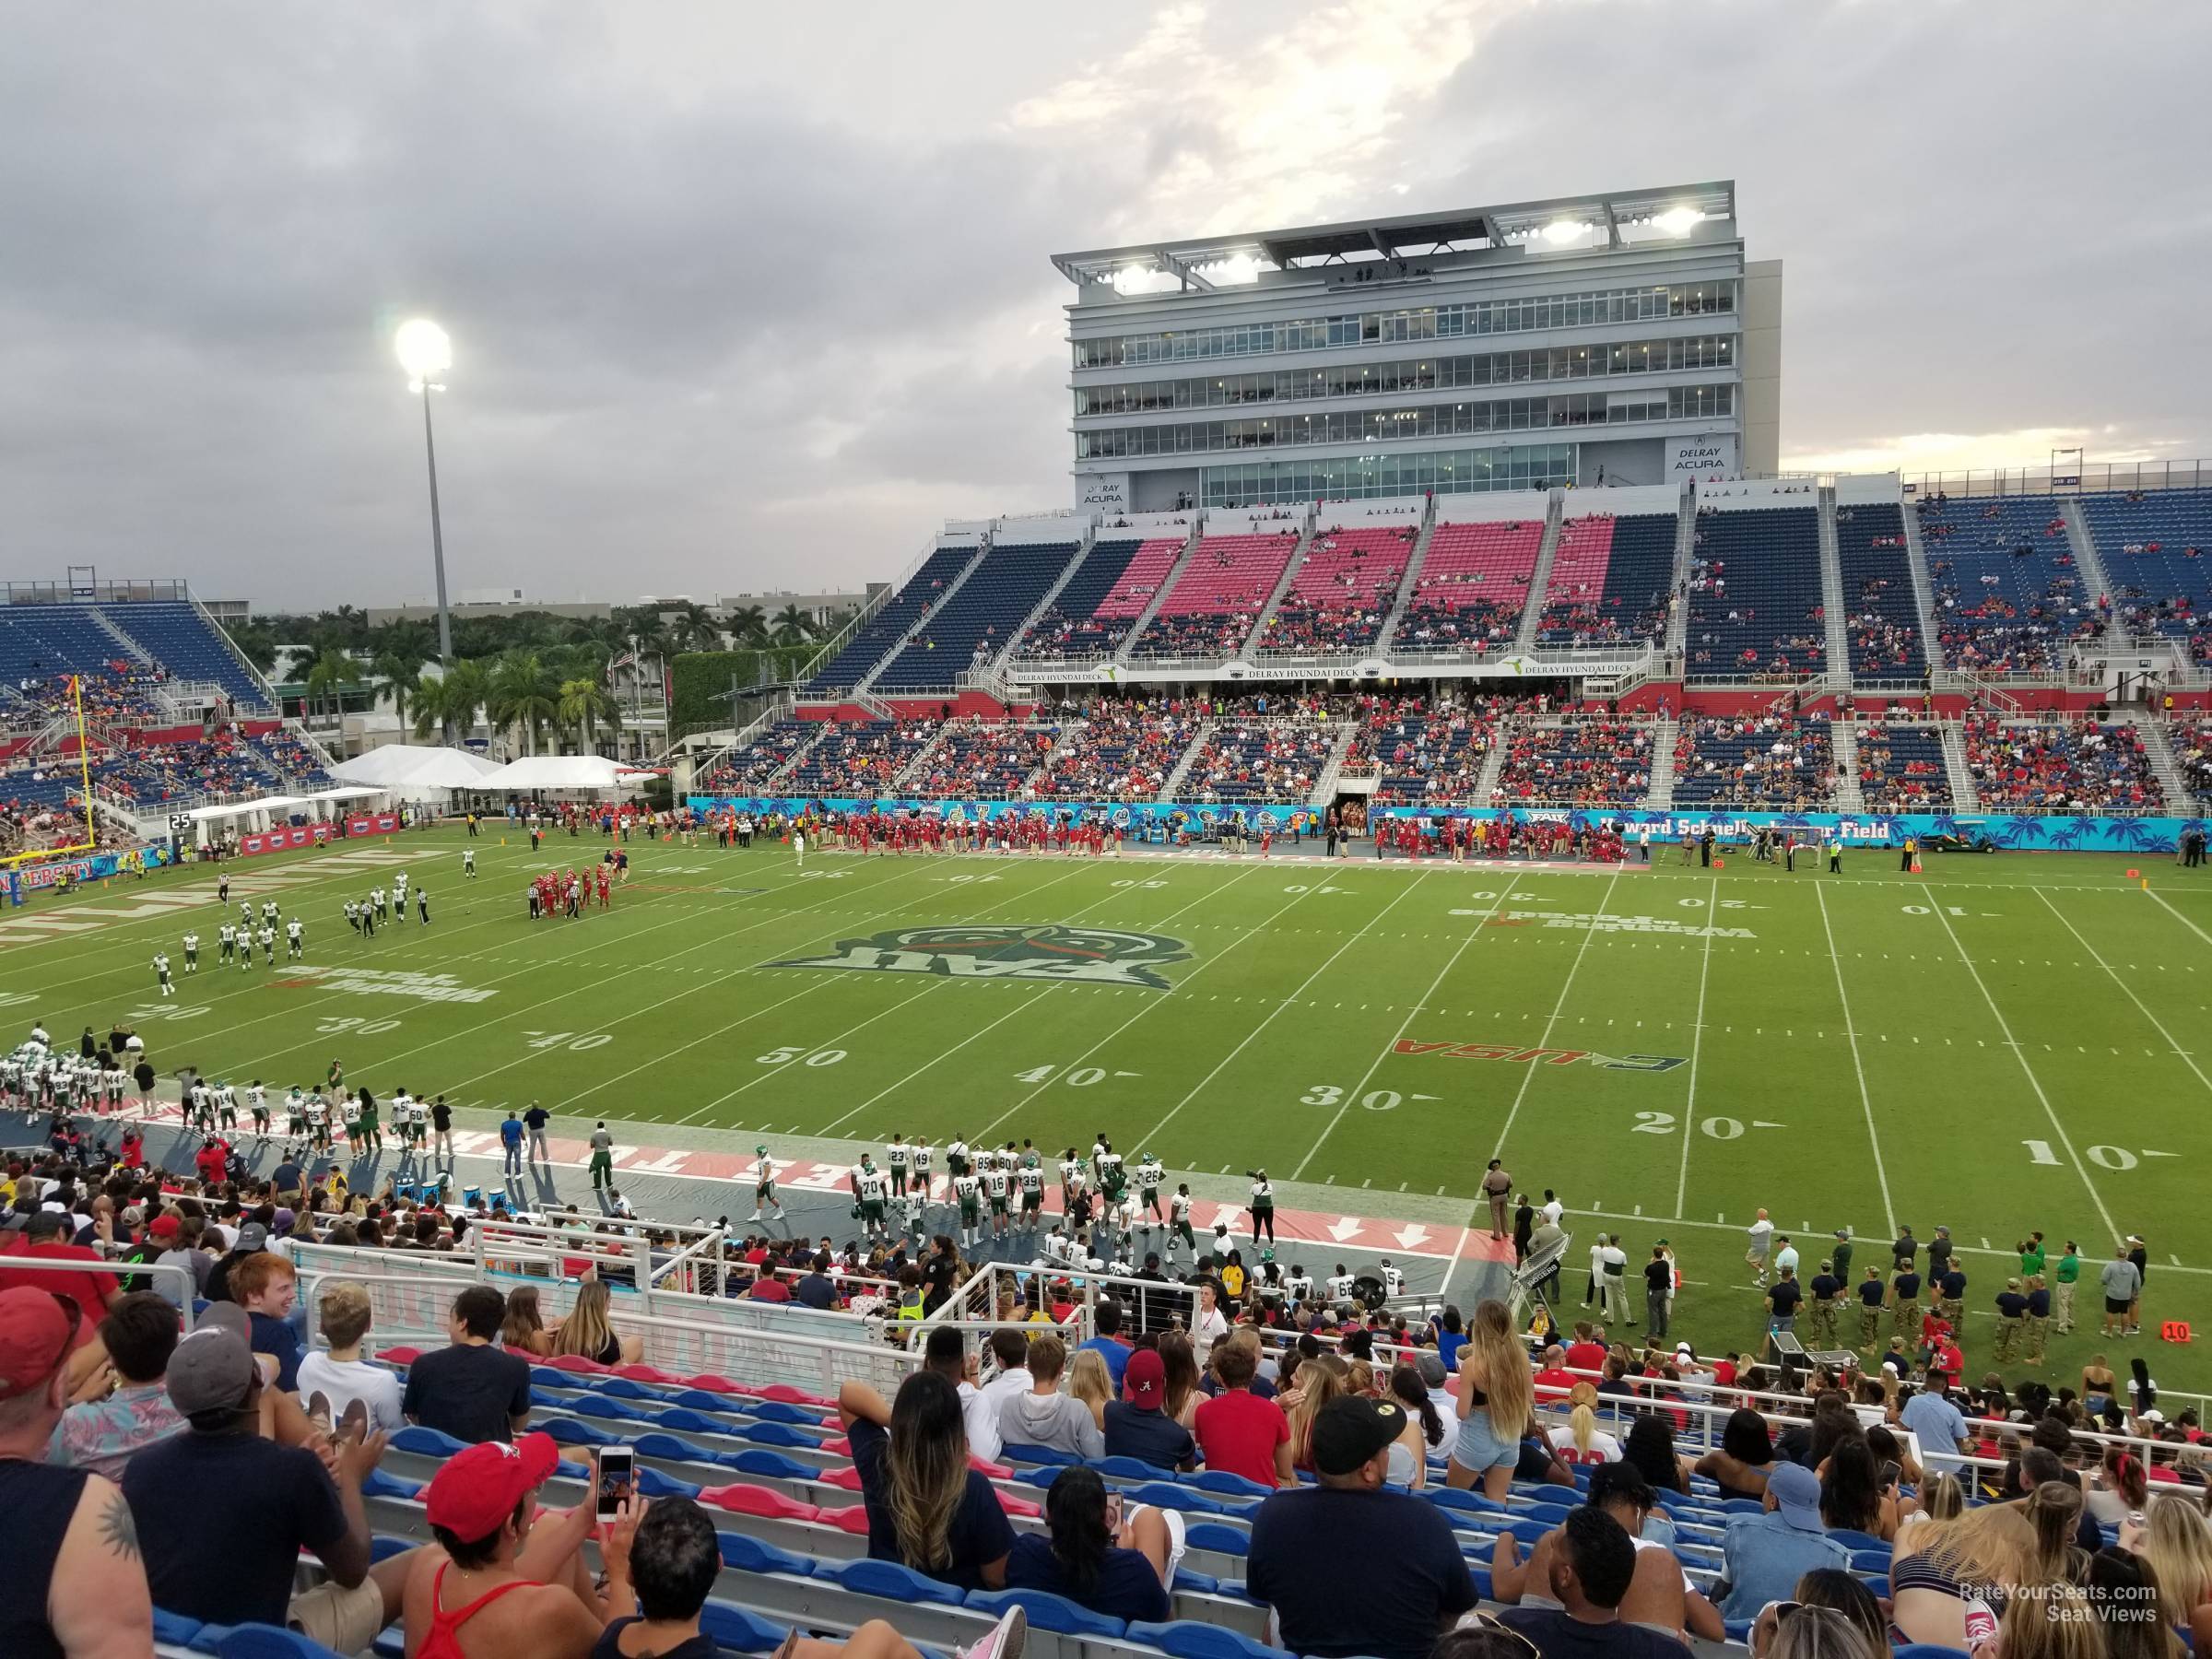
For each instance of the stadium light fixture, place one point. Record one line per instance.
(1560, 232)
(426, 352)
(1679, 222)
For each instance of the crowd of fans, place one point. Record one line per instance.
(1902, 768)
(1591, 760)
(2060, 766)
(860, 758)
(1123, 751)
(2023, 605)
(747, 770)
(1774, 760)
(1425, 751)
(1343, 591)
(1279, 761)
(984, 760)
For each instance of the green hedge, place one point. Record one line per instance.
(701, 681)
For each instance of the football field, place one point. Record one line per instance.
(2004, 1043)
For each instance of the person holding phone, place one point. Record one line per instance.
(1116, 1565)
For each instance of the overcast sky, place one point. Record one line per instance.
(748, 295)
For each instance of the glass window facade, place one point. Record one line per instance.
(1395, 426)
(1442, 472)
(1409, 374)
(1597, 309)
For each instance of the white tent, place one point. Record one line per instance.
(560, 772)
(414, 767)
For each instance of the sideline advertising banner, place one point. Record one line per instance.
(287, 839)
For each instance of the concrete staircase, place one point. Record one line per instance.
(1540, 579)
(2090, 564)
(1831, 586)
(1924, 591)
(1843, 740)
(860, 692)
(1965, 797)
(1406, 583)
(1660, 796)
(2157, 744)
(1167, 583)
(1494, 764)
(136, 651)
(1324, 784)
(997, 666)
(1686, 543)
(1174, 781)
(916, 768)
(1282, 586)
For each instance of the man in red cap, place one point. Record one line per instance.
(1138, 1424)
(70, 1577)
(46, 1237)
(515, 1587)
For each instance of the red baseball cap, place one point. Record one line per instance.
(167, 1225)
(1146, 1381)
(36, 1331)
(479, 1488)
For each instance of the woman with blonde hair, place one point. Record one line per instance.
(2174, 1540)
(2058, 1622)
(1933, 1567)
(1586, 1443)
(926, 1508)
(1179, 1361)
(2054, 1510)
(1091, 1382)
(588, 1332)
(1497, 1404)
(522, 1330)
(1320, 1380)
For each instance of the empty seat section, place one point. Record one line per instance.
(1766, 760)
(1223, 588)
(183, 641)
(1577, 763)
(889, 625)
(976, 622)
(2008, 597)
(1278, 762)
(1120, 753)
(753, 763)
(1610, 581)
(859, 757)
(1881, 615)
(1473, 587)
(1754, 600)
(2060, 766)
(1902, 768)
(2156, 547)
(1078, 623)
(983, 760)
(1342, 591)
(42, 642)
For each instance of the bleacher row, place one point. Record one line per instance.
(1433, 754)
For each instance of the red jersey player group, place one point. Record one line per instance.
(1459, 839)
(570, 891)
(876, 831)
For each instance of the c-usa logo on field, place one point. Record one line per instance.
(1089, 956)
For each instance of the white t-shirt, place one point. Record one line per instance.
(1603, 1449)
(1551, 1210)
(343, 1381)
(981, 1406)
(1758, 1236)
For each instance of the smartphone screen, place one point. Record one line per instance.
(618, 1478)
(1891, 1471)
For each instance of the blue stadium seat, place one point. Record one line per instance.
(267, 1641)
(774, 1466)
(1221, 1480)
(595, 1405)
(1221, 1541)
(1048, 1456)
(1126, 1468)
(175, 1629)
(384, 1546)
(381, 1484)
(749, 1554)
(429, 1442)
(690, 1422)
(1201, 1584)
(1927, 1650)
(667, 1446)
(571, 1433)
(776, 1411)
(976, 623)
(774, 1434)
(624, 1388)
(1048, 1612)
(740, 1629)
(654, 1483)
(888, 627)
(889, 1579)
(1167, 1495)
(1188, 1639)
(1754, 587)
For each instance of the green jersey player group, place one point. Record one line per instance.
(383, 907)
(235, 942)
(35, 1077)
(316, 1118)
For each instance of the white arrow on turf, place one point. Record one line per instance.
(1343, 1227)
(667, 1163)
(1757, 1124)
(1411, 1238)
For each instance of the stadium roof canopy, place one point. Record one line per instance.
(1198, 261)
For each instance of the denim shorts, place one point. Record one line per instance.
(1478, 1448)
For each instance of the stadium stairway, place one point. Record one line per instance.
(130, 647)
(1831, 582)
(2159, 746)
(1686, 544)
(1660, 796)
(1965, 797)
(1924, 593)
(1282, 586)
(1407, 581)
(1200, 736)
(1539, 577)
(2096, 582)
(916, 629)
(1325, 785)
(1172, 575)
(1843, 743)
(998, 665)
(873, 641)
(1493, 766)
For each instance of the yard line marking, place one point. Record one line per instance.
(2177, 915)
(2156, 1024)
(1697, 1042)
(1404, 1026)
(1268, 1018)
(1452, 1266)
(1851, 1031)
(2020, 1053)
(1558, 1009)
(1155, 1002)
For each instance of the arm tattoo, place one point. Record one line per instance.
(117, 1531)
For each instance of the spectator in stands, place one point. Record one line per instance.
(1496, 1404)
(1122, 1572)
(277, 1500)
(1009, 1380)
(266, 1286)
(1745, 1458)
(332, 1382)
(1651, 1447)
(1108, 1343)
(45, 1236)
(588, 1333)
(1237, 1431)
(816, 1289)
(523, 1327)
(1935, 1564)
(1938, 1426)
(502, 1580)
(1309, 1543)
(1138, 1424)
(103, 1433)
(1763, 1556)
(1660, 1593)
(71, 1580)
(1044, 1417)
(2173, 1541)
(926, 1508)
(1590, 1575)
(470, 1390)
(1090, 1384)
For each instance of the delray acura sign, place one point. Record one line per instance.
(1706, 455)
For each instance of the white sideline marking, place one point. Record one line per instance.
(1866, 1100)
(1697, 1041)
(1559, 1007)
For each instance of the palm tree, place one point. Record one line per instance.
(333, 671)
(452, 702)
(792, 626)
(585, 704)
(524, 696)
(750, 624)
(395, 673)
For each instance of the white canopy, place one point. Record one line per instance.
(560, 772)
(413, 766)
(239, 808)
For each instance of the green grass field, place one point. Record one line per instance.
(2004, 1043)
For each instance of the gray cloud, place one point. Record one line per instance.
(744, 297)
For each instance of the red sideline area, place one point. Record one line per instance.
(1411, 1238)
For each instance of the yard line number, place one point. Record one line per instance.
(2104, 1157)
(794, 1050)
(577, 1041)
(358, 1026)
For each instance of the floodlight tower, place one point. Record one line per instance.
(424, 351)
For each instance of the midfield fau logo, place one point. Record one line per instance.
(1090, 956)
(1539, 1056)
